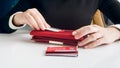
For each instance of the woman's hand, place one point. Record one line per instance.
(32, 17)
(96, 35)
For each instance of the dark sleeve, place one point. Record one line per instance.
(21, 5)
(111, 8)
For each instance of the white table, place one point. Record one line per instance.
(17, 50)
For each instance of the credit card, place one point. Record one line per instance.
(53, 29)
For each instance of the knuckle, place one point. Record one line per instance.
(34, 8)
(26, 15)
(29, 11)
(90, 28)
(95, 25)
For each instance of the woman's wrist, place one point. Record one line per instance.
(11, 23)
(115, 31)
(16, 19)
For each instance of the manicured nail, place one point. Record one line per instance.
(74, 33)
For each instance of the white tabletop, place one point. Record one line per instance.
(17, 50)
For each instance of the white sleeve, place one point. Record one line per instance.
(11, 25)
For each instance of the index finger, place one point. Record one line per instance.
(86, 30)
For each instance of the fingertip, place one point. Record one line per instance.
(88, 47)
(76, 37)
(74, 33)
(43, 29)
(37, 28)
(80, 45)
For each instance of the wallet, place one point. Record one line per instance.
(64, 37)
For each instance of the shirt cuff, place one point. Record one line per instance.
(11, 25)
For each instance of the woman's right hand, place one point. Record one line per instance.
(33, 18)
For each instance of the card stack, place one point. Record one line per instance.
(60, 50)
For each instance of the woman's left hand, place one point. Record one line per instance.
(96, 35)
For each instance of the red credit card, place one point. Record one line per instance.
(61, 48)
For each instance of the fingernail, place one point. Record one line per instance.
(74, 33)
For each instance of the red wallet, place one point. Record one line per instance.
(60, 37)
